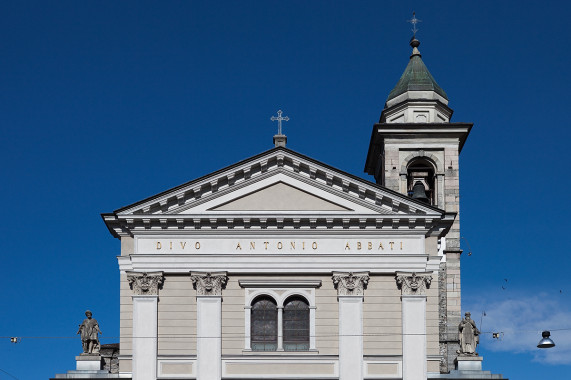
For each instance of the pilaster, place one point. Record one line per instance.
(145, 287)
(413, 296)
(350, 292)
(209, 323)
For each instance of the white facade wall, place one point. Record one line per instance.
(374, 346)
(359, 228)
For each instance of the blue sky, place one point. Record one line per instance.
(106, 103)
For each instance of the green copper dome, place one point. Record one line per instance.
(416, 76)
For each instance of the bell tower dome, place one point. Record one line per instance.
(414, 150)
(416, 98)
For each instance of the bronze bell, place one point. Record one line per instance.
(419, 193)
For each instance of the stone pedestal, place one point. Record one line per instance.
(468, 363)
(280, 140)
(468, 368)
(88, 362)
(88, 366)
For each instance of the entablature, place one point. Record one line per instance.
(131, 225)
(286, 263)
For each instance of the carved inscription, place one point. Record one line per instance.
(279, 245)
(182, 244)
(370, 246)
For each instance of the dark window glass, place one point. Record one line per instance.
(264, 325)
(296, 324)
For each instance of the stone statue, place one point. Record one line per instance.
(89, 338)
(469, 336)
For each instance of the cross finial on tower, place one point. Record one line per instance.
(414, 21)
(280, 119)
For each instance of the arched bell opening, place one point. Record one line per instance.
(421, 172)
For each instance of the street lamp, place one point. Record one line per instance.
(545, 341)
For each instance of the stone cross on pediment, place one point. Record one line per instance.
(279, 119)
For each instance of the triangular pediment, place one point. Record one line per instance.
(279, 188)
(279, 197)
(277, 191)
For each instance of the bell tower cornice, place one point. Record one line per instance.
(449, 133)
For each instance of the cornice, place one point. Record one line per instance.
(406, 102)
(131, 225)
(286, 263)
(254, 283)
(442, 130)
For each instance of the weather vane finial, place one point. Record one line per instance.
(414, 21)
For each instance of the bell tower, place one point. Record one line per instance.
(414, 150)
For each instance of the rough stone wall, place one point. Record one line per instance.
(452, 195)
(442, 314)
(109, 354)
(453, 251)
(392, 169)
(453, 306)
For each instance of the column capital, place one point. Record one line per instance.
(145, 283)
(413, 284)
(350, 283)
(209, 283)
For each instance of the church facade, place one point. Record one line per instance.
(282, 267)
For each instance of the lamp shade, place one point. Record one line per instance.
(545, 341)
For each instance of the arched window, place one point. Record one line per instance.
(420, 170)
(296, 324)
(264, 324)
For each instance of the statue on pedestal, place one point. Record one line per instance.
(469, 336)
(89, 338)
